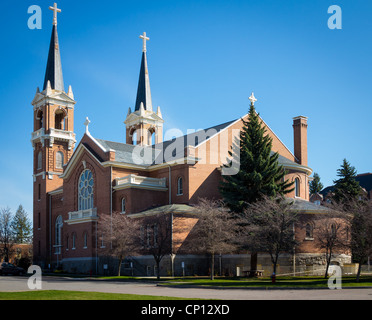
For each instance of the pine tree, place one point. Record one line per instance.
(21, 226)
(315, 185)
(346, 186)
(260, 173)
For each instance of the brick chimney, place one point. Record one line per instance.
(300, 139)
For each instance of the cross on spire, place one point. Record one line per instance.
(86, 124)
(55, 12)
(144, 41)
(253, 99)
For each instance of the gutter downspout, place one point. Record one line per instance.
(50, 229)
(172, 255)
(294, 251)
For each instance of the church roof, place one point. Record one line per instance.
(125, 152)
(304, 206)
(54, 66)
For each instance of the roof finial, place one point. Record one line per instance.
(253, 99)
(86, 124)
(55, 11)
(144, 41)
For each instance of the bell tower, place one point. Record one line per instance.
(53, 141)
(144, 126)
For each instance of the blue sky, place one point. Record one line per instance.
(205, 59)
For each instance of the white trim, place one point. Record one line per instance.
(139, 182)
(299, 167)
(56, 192)
(125, 165)
(74, 160)
(240, 119)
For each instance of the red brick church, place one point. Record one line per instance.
(76, 182)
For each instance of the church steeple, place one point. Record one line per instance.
(143, 125)
(54, 66)
(144, 91)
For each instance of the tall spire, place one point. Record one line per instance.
(54, 66)
(144, 91)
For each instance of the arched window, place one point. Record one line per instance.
(333, 230)
(85, 240)
(59, 120)
(40, 119)
(123, 206)
(309, 231)
(73, 241)
(86, 185)
(39, 160)
(297, 187)
(180, 187)
(135, 138)
(58, 234)
(59, 160)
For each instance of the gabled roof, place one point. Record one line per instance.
(124, 152)
(54, 66)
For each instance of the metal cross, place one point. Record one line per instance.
(55, 11)
(86, 124)
(144, 41)
(253, 99)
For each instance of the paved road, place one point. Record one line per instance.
(16, 284)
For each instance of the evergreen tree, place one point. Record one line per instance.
(315, 185)
(21, 226)
(260, 173)
(346, 186)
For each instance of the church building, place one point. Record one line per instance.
(75, 182)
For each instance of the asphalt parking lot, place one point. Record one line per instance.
(16, 284)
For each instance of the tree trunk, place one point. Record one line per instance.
(359, 270)
(328, 261)
(212, 266)
(253, 270)
(120, 263)
(158, 269)
(275, 263)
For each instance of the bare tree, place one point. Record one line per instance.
(358, 212)
(214, 232)
(6, 233)
(268, 226)
(120, 234)
(156, 238)
(331, 233)
(361, 235)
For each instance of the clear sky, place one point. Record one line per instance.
(205, 58)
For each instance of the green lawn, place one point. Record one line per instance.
(75, 295)
(305, 282)
(289, 282)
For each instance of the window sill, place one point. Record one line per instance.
(309, 239)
